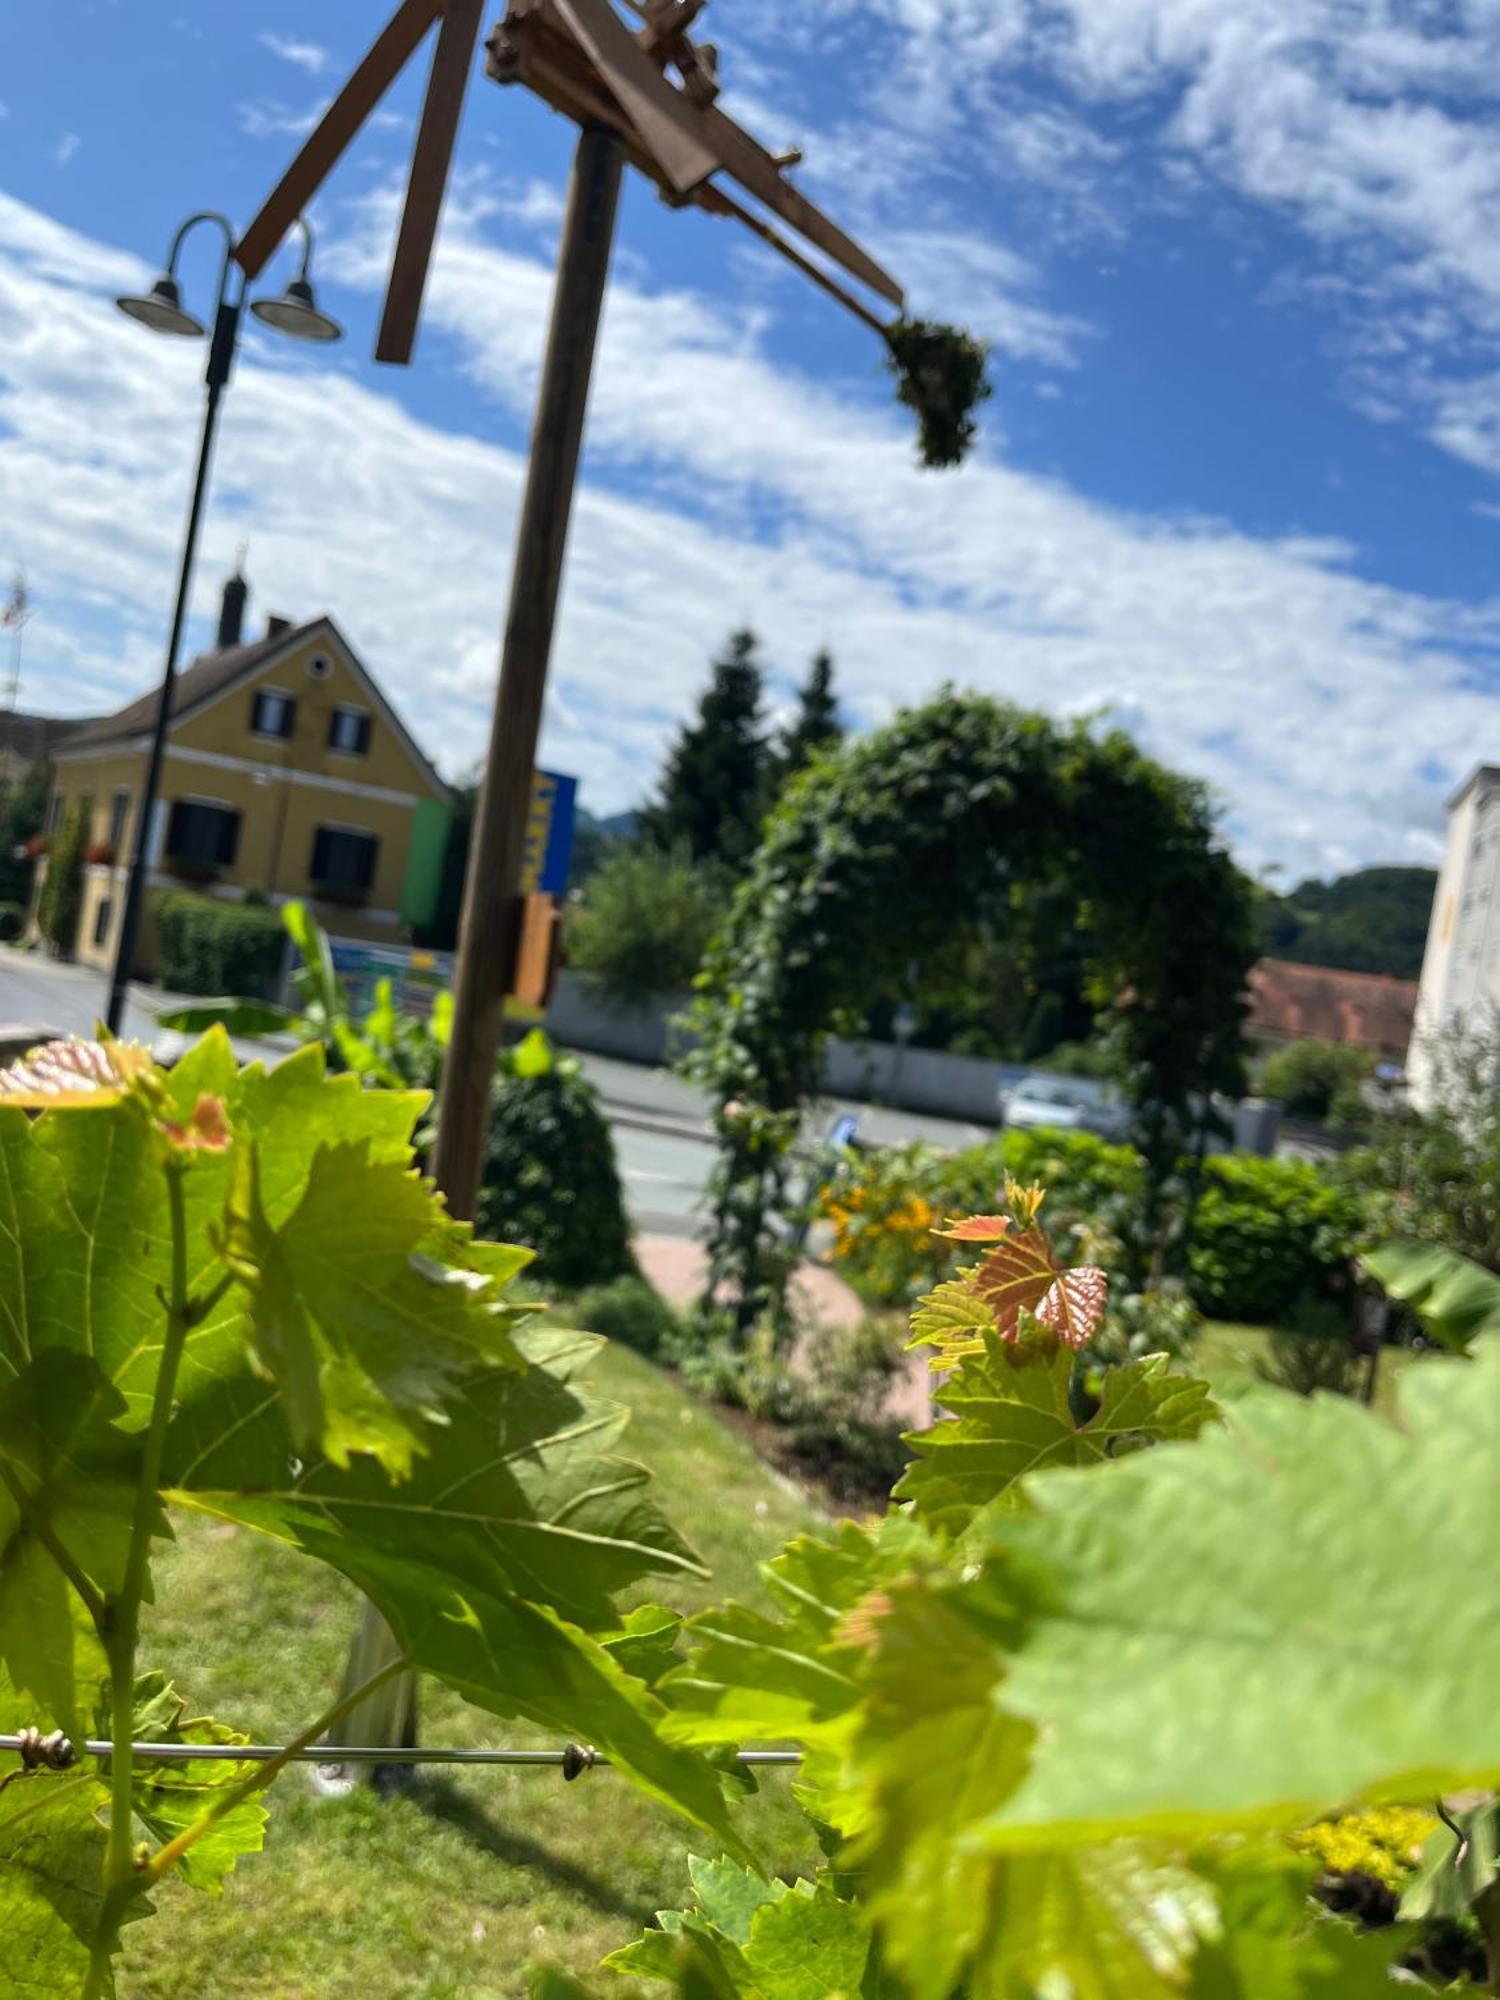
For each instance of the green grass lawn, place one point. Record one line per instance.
(450, 1891)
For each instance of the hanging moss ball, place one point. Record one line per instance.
(940, 373)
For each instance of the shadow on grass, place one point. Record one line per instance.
(445, 1802)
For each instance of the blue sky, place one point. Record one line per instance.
(1240, 268)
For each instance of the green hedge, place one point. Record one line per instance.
(1267, 1234)
(214, 947)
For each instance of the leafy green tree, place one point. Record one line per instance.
(1374, 920)
(1317, 1079)
(714, 789)
(1437, 1175)
(23, 813)
(644, 924)
(62, 892)
(915, 833)
(816, 726)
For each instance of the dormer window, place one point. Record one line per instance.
(273, 713)
(349, 731)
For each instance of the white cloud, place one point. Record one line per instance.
(304, 55)
(1329, 712)
(268, 118)
(66, 149)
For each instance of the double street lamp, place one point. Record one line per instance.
(161, 309)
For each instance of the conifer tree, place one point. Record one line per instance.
(715, 786)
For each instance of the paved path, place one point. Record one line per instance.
(678, 1270)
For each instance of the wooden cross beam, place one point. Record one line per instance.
(581, 58)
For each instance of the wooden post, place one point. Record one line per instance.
(490, 928)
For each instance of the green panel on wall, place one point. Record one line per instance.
(424, 861)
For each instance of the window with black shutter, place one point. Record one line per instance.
(203, 835)
(343, 860)
(272, 713)
(349, 731)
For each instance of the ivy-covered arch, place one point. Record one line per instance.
(878, 853)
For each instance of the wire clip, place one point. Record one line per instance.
(37, 1752)
(576, 1759)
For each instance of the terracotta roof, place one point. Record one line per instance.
(1368, 1010)
(204, 677)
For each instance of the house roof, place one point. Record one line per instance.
(209, 675)
(34, 737)
(1366, 1010)
(1482, 774)
(213, 674)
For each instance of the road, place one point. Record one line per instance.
(660, 1123)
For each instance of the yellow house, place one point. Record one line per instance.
(286, 772)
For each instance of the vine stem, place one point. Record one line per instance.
(123, 1615)
(93, 1603)
(167, 1857)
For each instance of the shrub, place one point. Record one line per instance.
(826, 1401)
(12, 922)
(1266, 1233)
(62, 893)
(630, 1312)
(550, 1179)
(884, 1205)
(214, 947)
(644, 925)
(1319, 1080)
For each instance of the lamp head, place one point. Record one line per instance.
(161, 309)
(296, 312)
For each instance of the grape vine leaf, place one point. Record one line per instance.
(953, 1318)
(68, 1479)
(52, 1842)
(494, 1559)
(769, 1940)
(84, 1237)
(1014, 1415)
(365, 1336)
(751, 1677)
(526, 1496)
(1273, 1943)
(170, 1796)
(515, 1658)
(1456, 1299)
(1280, 1620)
(933, 1756)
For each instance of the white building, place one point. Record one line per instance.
(1461, 965)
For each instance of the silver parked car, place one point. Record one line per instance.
(1065, 1104)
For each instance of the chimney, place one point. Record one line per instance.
(232, 612)
(276, 625)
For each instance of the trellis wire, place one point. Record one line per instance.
(574, 1755)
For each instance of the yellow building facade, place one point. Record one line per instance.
(286, 773)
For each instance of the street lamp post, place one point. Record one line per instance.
(161, 309)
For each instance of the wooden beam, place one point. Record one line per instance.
(526, 49)
(757, 172)
(430, 160)
(325, 144)
(489, 932)
(666, 124)
(534, 46)
(714, 201)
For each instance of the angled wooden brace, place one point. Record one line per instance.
(430, 160)
(325, 144)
